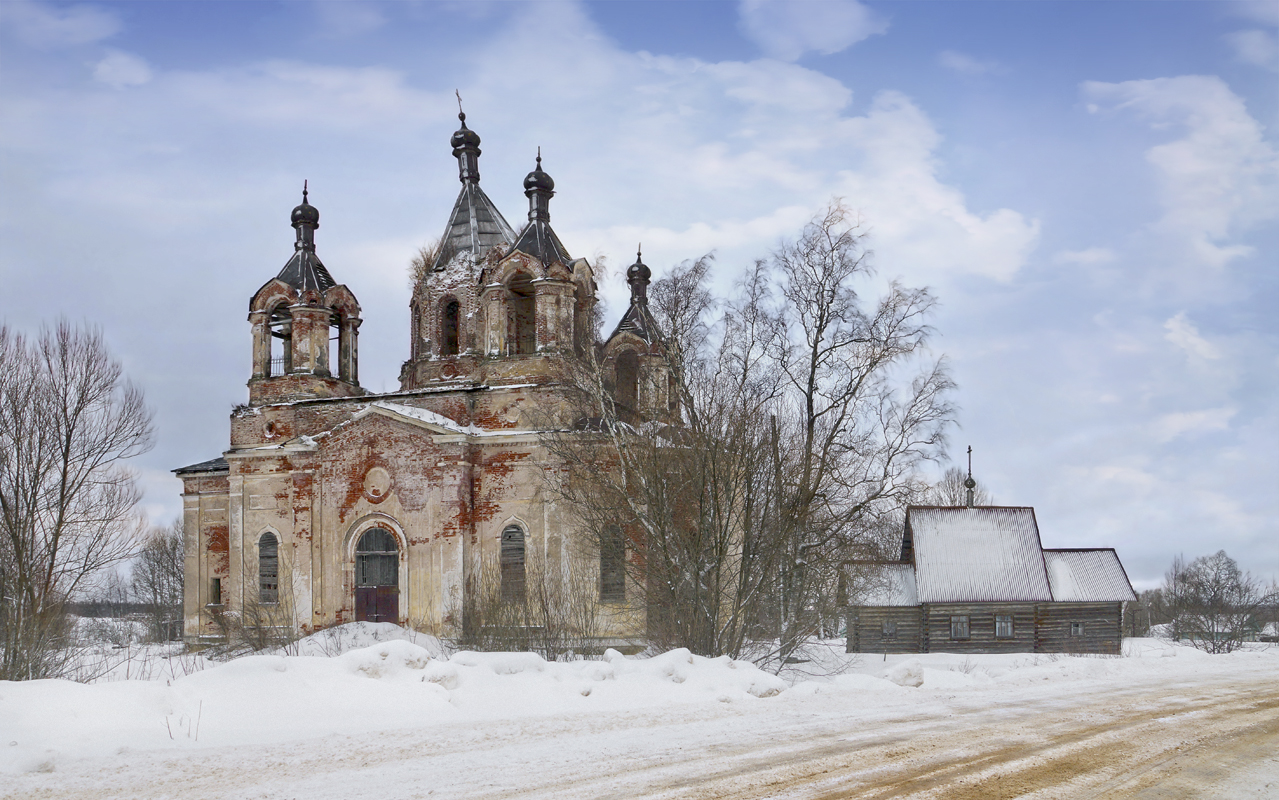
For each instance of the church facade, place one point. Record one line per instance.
(333, 505)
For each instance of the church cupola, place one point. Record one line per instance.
(466, 149)
(475, 226)
(538, 239)
(293, 316)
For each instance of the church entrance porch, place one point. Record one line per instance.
(377, 577)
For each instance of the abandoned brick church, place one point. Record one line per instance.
(333, 504)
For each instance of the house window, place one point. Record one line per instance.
(215, 592)
(1003, 626)
(512, 563)
(612, 565)
(959, 627)
(268, 569)
(889, 630)
(449, 339)
(1076, 629)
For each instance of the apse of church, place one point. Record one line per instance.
(332, 504)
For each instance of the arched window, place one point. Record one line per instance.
(628, 386)
(449, 328)
(377, 559)
(521, 326)
(268, 569)
(280, 327)
(512, 563)
(612, 565)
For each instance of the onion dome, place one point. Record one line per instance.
(305, 214)
(537, 179)
(639, 271)
(464, 136)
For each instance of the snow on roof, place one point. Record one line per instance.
(893, 586)
(1087, 576)
(984, 554)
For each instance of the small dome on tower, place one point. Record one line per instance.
(537, 179)
(638, 271)
(464, 136)
(305, 214)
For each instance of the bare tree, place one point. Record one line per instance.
(1215, 606)
(951, 491)
(68, 421)
(157, 580)
(797, 438)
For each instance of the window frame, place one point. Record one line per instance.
(1004, 626)
(613, 565)
(268, 569)
(513, 563)
(960, 627)
(888, 629)
(1076, 629)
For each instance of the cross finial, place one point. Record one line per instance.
(639, 251)
(970, 460)
(969, 483)
(460, 113)
(304, 182)
(539, 156)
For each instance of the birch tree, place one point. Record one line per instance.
(68, 421)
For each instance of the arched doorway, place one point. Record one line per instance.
(377, 577)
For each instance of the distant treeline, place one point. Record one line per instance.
(106, 608)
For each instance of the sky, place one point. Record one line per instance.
(1091, 189)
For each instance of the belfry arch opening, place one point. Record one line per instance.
(280, 326)
(521, 329)
(377, 577)
(449, 321)
(627, 382)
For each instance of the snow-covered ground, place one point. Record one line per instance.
(374, 710)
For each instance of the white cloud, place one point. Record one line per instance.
(47, 26)
(787, 29)
(1092, 255)
(1170, 426)
(1263, 11)
(966, 64)
(1260, 48)
(120, 69)
(347, 17)
(1183, 333)
(1220, 178)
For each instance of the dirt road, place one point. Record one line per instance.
(1202, 738)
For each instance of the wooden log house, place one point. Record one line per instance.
(977, 580)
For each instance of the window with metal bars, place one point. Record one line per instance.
(512, 564)
(268, 569)
(612, 565)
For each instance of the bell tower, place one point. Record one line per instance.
(305, 326)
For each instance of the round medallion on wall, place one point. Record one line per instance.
(377, 484)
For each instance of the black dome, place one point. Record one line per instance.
(638, 271)
(537, 179)
(305, 214)
(464, 136)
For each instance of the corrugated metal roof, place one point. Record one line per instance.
(894, 585)
(984, 554)
(539, 241)
(305, 271)
(1087, 576)
(475, 225)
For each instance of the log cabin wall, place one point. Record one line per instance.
(866, 625)
(981, 628)
(1058, 631)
